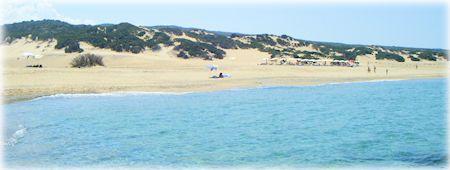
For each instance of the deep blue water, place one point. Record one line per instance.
(395, 123)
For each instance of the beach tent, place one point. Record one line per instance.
(29, 55)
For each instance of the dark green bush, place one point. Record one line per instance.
(390, 56)
(87, 60)
(336, 57)
(175, 31)
(257, 45)
(308, 56)
(199, 49)
(427, 55)
(156, 48)
(363, 50)
(413, 58)
(140, 34)
(182, 55)
(265, 39)
(282, 42)
(73, 46)
(217, 40)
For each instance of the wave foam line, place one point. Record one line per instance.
(17, 135)
(136, 93)
(109, 94)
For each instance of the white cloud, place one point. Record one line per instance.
(24, 10)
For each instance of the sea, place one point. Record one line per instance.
(363, 124)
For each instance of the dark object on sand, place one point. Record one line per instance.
(37, 65)
(221, 75)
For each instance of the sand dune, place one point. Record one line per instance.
(162, 71)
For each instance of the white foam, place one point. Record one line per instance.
(17, 135)
(111, 94)
(365, 81)
(320, 84)
(136, 93)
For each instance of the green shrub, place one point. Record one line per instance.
(140, 34)
(427, 55)
(390, 56)
(363, 50)
(73, 47)
(182, 55)
(348, 55)
(336, 57)
(175, 31)
(265, 39)
(217, 40)
(156, 48)
(413, 58)
(87, 60)
(243, 45)
(308, 56)
(325, 50)
(282, 42)
(199, 49)
(257, 45)
(161, 38)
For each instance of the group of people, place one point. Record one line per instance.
(221, 75)
(375, 70)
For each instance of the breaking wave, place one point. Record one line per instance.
(17, 135)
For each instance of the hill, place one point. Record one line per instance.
(193, 42)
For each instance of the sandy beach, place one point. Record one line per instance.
(162, 71)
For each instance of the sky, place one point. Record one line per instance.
(404, 24)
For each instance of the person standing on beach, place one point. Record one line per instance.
(417, 66)
(374, 69)
(387, 72)
(368, 69)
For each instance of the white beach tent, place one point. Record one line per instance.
(27, 55)
(30, 55)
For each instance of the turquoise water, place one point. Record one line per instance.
(393, 123)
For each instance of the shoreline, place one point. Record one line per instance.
(162, 71)
(29, 97)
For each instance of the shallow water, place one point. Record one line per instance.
(396, 123)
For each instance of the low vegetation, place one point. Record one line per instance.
(265, 39)
(390, 56)
(413, 58)
(216, 40)
(199, 49)
(87, 60)
(182, 55)
(125, 37)
(427, 55)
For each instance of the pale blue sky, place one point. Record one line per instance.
(414, 25)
